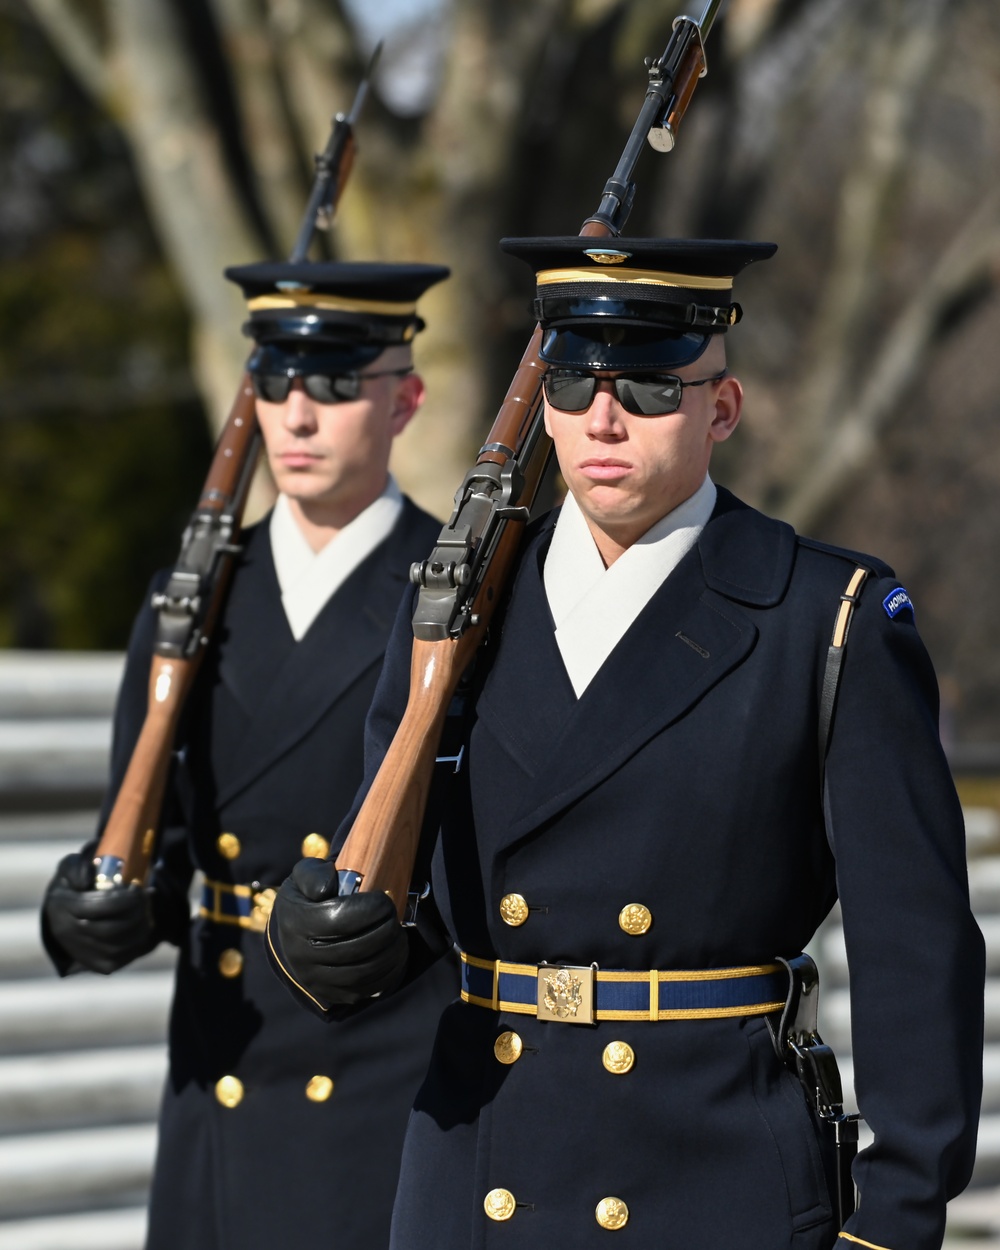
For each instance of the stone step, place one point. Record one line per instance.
(98, 1087)
(47, 684)
(21, 950)
(93, 1230)
(54, 756)
(44, 1173)
(984, 885)
(72, 825)
(974, 1214)
(27, 867)
(84, 1011)
(987, 1169)
(22, 954)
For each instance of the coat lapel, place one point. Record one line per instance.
(254, 636)
(689, 636)
(345, 640)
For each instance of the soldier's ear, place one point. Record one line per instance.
(408, 397)
(728, 408)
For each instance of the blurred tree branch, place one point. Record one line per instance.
(77, 43)
(852, 443)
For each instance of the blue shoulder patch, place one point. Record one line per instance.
(897, 601)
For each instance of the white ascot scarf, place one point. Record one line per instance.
(308, 578)
(593, 606)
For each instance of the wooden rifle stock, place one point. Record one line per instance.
(382, 844)
(126, 845)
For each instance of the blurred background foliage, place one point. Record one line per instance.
(146, 144)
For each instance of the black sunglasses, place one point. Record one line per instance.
(643, 394)
(324, 388)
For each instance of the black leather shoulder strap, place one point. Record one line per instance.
(835, 659)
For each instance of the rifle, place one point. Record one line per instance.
(189, 606)
(462, 580)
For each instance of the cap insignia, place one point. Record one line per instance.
(605, 256)
(291, 285)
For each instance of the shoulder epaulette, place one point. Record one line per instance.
(873, 564)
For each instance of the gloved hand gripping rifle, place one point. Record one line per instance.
(189, 606)
(463, 578)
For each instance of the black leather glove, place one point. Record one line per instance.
(342, 950)
(97, 929)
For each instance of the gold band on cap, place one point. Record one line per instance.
(652, 277)
(331, 303)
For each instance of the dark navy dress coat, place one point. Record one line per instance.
(272, 752)
(686, 779)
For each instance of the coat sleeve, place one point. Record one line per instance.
(915, 953)
(172, 870)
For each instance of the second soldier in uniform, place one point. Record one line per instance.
(275, 1129)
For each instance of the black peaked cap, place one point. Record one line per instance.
(633, 303)
(348, 311)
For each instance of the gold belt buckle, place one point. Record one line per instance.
(566, 993)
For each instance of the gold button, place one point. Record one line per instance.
(513, 910)
(319, 1088)
(508, 1047)
(635, 919)
(315, 846)
(618, 1057)
(231, 962)
(612, 1213)
(261, 910)
(229, 1091)
(499, 1204)
(228, 845)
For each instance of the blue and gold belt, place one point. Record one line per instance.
(241, 905)
(583, 995)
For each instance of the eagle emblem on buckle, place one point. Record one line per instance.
(566, 994)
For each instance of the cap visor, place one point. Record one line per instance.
(294, 360)
(636, 349)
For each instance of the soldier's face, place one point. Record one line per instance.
(627, 471)
(334, 458)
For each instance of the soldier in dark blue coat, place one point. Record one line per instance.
(270, 756)
(653, 816)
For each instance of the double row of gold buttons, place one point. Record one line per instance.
(634, 918)
(617, 1057)
(314, 846)
(610, 1213)
(229, 1090)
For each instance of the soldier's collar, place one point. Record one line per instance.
(746, 555)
